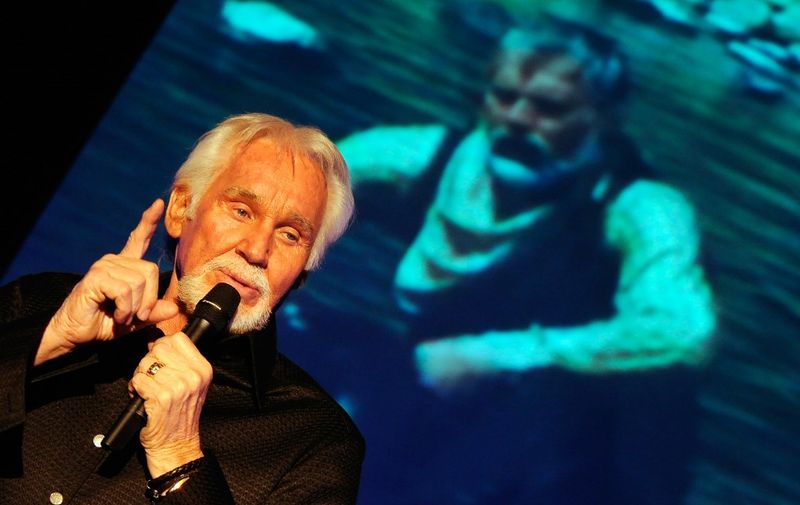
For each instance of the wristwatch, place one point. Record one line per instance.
(171, 481)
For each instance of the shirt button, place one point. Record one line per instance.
(56, 498)
(98, 440)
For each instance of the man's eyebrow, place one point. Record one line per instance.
(298, 221)
(245, 194)
(305, 226)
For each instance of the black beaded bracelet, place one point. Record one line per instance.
(171, 481)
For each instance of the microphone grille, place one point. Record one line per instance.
(219, 305)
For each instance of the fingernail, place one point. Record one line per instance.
(145, 315)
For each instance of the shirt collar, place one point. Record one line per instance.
(242, 361)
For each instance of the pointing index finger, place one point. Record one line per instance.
(139, 239)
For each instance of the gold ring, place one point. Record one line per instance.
(155, 367)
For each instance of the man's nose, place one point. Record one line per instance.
(520, 117)
(255, 249)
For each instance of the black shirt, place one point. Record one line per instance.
(270, 433)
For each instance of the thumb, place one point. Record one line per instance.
(161, 311)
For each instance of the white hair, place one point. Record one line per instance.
(218, 148)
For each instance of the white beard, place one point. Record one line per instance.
(193, 287)
(526, 173)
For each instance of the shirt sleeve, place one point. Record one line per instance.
(205, 487)
(665, 311)
(329, 474)
(26, 306)
(397, 155)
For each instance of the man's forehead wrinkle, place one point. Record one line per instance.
(524, 63)
(564, 66)
(282, 152)
(293, 157)
(560, 79)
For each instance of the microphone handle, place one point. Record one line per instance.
(128, 424)
(133, 418)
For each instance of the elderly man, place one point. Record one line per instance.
(254, 206)
(548, 255)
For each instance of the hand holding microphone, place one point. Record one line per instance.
(119, 294)
(170, 384)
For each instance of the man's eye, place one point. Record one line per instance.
(550, 107)
(291, 236)
(244, 213)
(504, 95)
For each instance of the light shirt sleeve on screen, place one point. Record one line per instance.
(397, 155)
(665, 308)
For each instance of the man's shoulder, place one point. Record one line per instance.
(652, 215)
(646, 195)
(298, 391)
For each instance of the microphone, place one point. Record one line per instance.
(211, 315)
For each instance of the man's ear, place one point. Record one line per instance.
(177, 208)
(300, 280)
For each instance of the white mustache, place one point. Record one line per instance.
(251, 274)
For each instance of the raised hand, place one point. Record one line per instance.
(117, 294)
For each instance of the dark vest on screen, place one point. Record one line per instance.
(565, 276)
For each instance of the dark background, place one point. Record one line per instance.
(65, 63)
